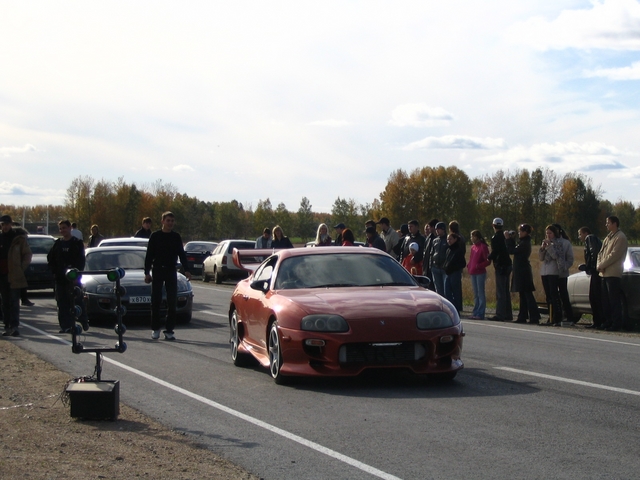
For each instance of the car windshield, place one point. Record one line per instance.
(199, 247)
(125, 242)
(40, 244)
(108, 259)
(240, 246)
(341, 270)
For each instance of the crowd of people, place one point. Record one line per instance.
(440, 255)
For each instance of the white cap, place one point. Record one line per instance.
(498, 221)
(414, 246)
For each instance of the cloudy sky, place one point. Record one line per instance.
(283, 99)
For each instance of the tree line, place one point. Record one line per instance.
(537, 197)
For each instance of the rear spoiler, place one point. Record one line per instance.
(250, 259)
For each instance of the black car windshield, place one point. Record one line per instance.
(341, 270)
(106, 260)
(40, 244)
(199, 247)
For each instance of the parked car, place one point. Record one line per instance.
(124, 242)
(578, 286)
(219, 265)
(38, 274)
(338, 311)
(99, 294)
(196, 252)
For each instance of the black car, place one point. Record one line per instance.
(38, 274)
(196, 252)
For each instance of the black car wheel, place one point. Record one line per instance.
(216, 276)
(205, 277)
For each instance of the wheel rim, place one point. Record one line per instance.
(234, 340)
(274, 352)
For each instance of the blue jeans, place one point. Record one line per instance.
(453, 289)
(478, 282)
(438, 279)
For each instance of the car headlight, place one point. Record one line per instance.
(433, 320)
(324, 323)
(107, 288)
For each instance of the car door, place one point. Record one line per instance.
(254, 308)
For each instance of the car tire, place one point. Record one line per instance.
(239, 359)
(275, 356)
(205, 277)
(216, 276)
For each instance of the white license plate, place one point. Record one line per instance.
(140, 299)
(197, 265)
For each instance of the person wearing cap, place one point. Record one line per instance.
(374, 240)
(340, 229)
(66, 252)
(502, 263)
(414, 268)
(145, 230)
(429, 236)
(438, 257)
(15, 257)
(388, 235)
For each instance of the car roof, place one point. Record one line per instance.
(40, 235)
(125, 239)
(120, 248)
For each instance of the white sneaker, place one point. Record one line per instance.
(155, 334)
(169, 336)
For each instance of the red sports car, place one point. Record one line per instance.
(338, 311)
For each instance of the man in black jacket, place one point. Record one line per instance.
(165, 246)
(502, 262)
(592, 245)
(67, 252)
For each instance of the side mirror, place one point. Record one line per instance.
(261, 285)
(423, 281)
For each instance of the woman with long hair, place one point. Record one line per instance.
(348, 239)
(279, 240)
(550, 250)
(522, 279)
(323, 239)
(564, 264)
(478, 263)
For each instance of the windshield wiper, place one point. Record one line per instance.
(389, 284)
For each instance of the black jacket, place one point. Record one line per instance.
(499, 254)
(454, 258)
(592, 246)
(64, 255)
(522, 280)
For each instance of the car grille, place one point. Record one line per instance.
(395, 353)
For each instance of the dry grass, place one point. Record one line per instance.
(490, 288)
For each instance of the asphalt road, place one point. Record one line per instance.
(532, 402)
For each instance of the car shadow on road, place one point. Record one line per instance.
(470, 382)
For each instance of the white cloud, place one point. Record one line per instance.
(183, 168)
(456, 141)
(330, 123)
(623, 73)
(7, 151)
(610, 24)
(419, 115)
(566, 157)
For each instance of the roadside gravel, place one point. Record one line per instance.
(39, 439)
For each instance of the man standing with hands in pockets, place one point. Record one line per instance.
(165, 246)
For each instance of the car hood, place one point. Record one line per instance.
(369, 302)
(131, 278)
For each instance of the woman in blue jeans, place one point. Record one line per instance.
(478, 263)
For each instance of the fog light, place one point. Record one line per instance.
(446, 339)
(311, 342)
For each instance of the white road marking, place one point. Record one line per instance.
(209, 312)
(259, 423)
(554, 333)
(569, 380)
